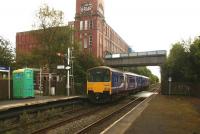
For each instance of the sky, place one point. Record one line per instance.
(145, 25)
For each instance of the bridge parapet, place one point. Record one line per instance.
(137, 54)
(150, 58)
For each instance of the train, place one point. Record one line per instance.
(105, 84)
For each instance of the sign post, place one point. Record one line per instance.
(68, 61)
(9, 83)
(67, 67)
(7, 70)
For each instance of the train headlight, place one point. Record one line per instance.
(106, 89)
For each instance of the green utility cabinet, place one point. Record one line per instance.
(23, 83)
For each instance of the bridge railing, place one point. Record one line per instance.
(137, 54)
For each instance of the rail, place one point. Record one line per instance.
(100, 121)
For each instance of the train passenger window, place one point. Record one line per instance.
(121, 79)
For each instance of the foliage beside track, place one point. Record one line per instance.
(183, 64)
(6, 52)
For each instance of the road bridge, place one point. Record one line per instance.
(149, 58)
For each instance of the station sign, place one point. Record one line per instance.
(60, 66)
(4, 69)
(67, 67)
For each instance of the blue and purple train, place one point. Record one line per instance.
(105, 83)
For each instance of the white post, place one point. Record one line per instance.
(49, 84)
(170, 80)
(68, 61)
(9, 83)
(40, 86)
(169, 88)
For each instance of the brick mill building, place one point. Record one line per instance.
(91, 30)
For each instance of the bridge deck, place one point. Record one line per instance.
(150, 58)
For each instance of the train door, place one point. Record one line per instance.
(126, 82)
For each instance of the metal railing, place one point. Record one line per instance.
(137, 54)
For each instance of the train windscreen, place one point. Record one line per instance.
(99, 75)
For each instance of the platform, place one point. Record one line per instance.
(144, 94)
(8, 104)
(160, 115)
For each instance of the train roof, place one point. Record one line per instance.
(130, 73)
(115, 70)
(106, 67)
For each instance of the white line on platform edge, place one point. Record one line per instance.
(103, 132)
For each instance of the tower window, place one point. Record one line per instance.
(85, 42)
(86, 25)
(81, 25)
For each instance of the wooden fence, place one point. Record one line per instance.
(4, 89)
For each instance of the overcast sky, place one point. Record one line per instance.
(144, 24)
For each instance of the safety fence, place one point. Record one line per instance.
(178, 88)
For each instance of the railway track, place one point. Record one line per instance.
(98, 109)
(98, 126)
(109, 116)
(76, 115)
(69, 120)
(15, 125)
(95, 124)
(13, 117)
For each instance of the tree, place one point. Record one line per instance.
(53, 37)
(194, 58)
(177, 62)
(83, 62)
(183, 62)
(6, 53)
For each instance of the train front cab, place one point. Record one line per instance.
(99, 85)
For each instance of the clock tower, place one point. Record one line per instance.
(88, 7)
(89, 25)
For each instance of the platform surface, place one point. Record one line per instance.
(144, 94)
(161, 115)
(8, 104)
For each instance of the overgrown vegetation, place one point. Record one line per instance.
(53, 37)
(6, 52)
(28, 122)
(183, 64)
(83, 62)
